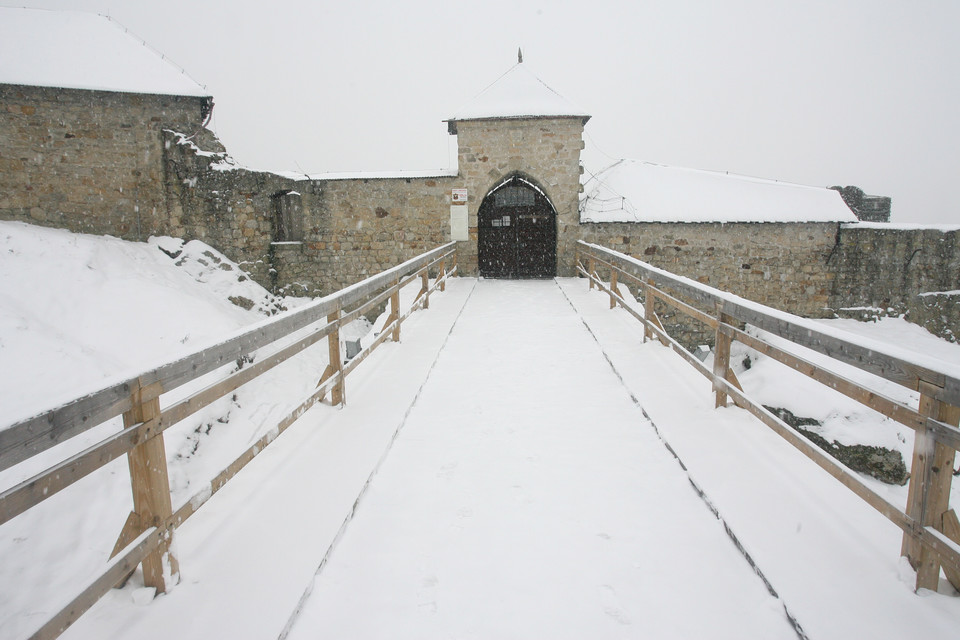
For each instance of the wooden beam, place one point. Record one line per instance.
(141, 439)
(648, 309)
(613, 288)
(121, 566)
(721, 359)
(44, 485)
(903, 414)
(28, 437)
(334, 361)
(151, 488)
(929, 492)
(937, 438)
(793, 328)
(394, 316)
(950, 526)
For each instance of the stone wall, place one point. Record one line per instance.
(231, 208)
(783, 265)
(88, 161)
(366, 225)
(344, 230)
(891, 267)
(546, 151)
(133, 165)
(938, 312)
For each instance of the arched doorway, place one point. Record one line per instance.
(517, 232)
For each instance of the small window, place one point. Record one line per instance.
(514, 196)
(287, 217)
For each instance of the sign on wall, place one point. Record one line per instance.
(459, 196)
(458, 223)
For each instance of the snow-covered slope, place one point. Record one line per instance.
(77, 311)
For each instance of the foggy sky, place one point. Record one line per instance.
(821, 93)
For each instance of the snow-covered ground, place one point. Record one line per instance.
(78, 312)
(468, 447)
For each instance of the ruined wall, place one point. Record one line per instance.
(88, 161)
(228, 207)
(344, 229)
(901, 269)
(545, 150)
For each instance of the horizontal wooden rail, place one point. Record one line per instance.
(889, 363)
(137, 398)
(925, 521)
(33, 435)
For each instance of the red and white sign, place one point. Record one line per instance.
(459, 196)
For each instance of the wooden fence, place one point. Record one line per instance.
(931, 531)
(146, 536)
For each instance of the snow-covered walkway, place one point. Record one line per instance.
(511, 486)
(527, 496)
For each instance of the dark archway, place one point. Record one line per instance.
(517, 232)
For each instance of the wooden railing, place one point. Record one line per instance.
(146, 536)
(931, 531)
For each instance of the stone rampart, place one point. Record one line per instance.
(88, 161)
(782, 265)
(908, 270)
(133, 165)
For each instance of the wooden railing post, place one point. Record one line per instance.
(151, 492)
(721, 358)
(613, 287)
(591, 268)
(334, 361)
(648, 309)
(441, 274)
(425, 288)
(395, 311)
(928, 496)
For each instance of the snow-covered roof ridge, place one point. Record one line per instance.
(638, 191)
(79, 50)
(518, 93)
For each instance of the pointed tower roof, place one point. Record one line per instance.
(518, 93)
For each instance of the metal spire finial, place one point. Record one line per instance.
(519, 55)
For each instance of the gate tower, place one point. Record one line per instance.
(519, 146)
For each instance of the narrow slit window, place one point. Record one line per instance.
(287, 217)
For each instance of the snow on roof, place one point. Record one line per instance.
(381, 175)
(518, 93)
(635, 191)
(77, 50)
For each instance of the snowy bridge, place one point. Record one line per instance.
(525, 462)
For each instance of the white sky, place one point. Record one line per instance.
(817, 92)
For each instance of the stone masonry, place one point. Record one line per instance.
(546, 151)
(88, 161)
(899, 269)
(134, 165)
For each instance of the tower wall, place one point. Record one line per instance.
(545, 150)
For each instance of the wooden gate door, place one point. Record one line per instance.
(517, 234)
